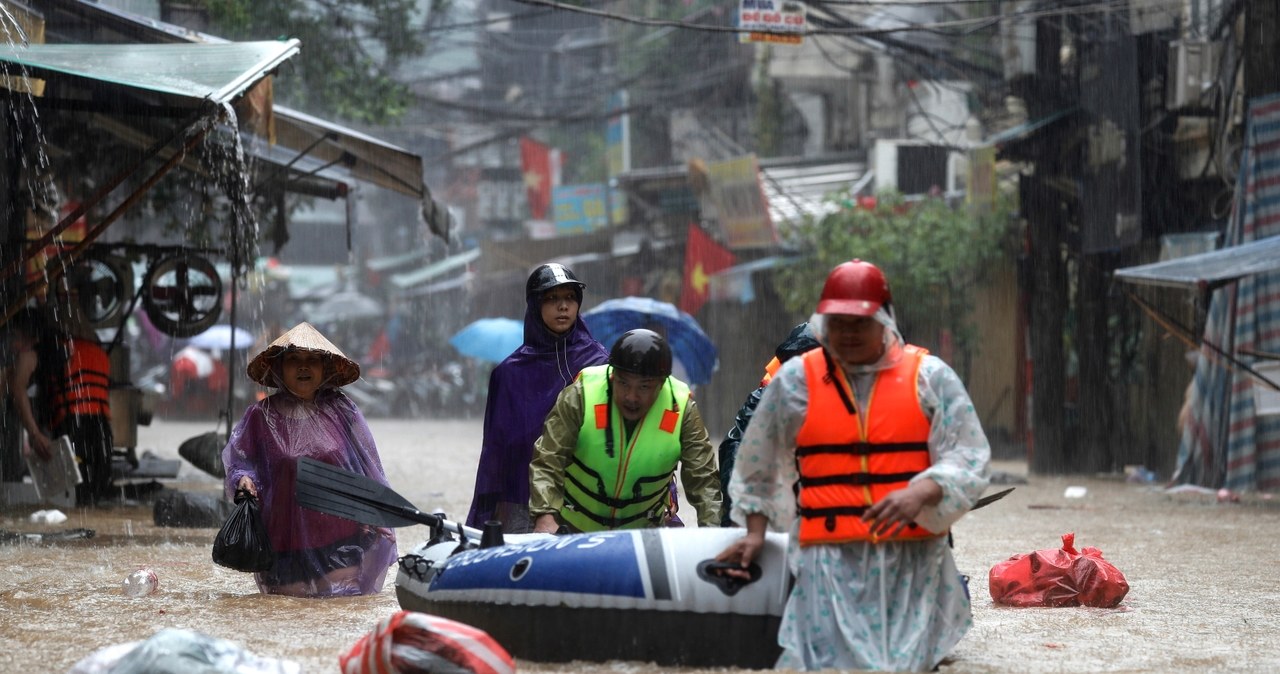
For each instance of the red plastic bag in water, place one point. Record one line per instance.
(1060, 577)
(408, 642)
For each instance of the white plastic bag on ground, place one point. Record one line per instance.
(178, 651)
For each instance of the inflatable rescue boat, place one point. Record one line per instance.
(648, 595)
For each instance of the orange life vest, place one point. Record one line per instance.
(847, 463)
(86, 382)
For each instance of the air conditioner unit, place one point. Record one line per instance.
(1193, 68)
(912, 167)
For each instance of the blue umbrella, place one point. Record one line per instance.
(689, 344)
(491, 339)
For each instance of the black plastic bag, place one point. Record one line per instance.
(204, 451)
(242, 542)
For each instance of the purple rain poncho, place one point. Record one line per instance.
(317, 555)
(522, 390)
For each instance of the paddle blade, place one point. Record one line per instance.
(988, 500)
(342, 493)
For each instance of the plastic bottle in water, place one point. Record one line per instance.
(141, 583)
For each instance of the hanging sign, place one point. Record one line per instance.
(767, 20)
(741, 206)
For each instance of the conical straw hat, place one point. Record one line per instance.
(303, 336)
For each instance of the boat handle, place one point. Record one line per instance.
(710, 571)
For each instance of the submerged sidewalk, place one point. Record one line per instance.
(1202, 578)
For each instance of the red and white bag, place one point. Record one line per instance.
(417, 643)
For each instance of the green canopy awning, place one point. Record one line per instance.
(215, 71)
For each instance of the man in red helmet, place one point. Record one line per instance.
(887, 452)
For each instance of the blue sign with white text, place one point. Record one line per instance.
(603, 563)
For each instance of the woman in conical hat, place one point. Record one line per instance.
(317, 555)
(266, 367)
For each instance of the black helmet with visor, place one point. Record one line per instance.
(549, 276)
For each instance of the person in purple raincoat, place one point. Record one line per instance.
(317, 555)
(522, 389)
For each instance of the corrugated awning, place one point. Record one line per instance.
(384, 264)
(215, 72)
(1207, 271)
(735, 282)
(792, 188)
(454, 283)
(1011, 137)
(420, 276)
(794, 191)
(364, 157)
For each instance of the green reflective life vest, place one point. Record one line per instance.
(629, 489)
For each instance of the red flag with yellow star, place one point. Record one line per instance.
(702, 258)
(535, 165)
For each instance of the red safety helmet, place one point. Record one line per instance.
(855, 287)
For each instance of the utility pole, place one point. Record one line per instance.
(1261, 48)
(12, 235)
(1046, 225)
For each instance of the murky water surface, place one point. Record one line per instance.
(1203, 575)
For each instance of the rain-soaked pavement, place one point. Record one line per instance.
(1203, 575)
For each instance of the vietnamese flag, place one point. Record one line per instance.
(535, 164)
(702, 258)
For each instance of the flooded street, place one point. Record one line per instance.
(1202, 575)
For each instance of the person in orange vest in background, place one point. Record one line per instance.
(797, 342)
(884, 451)
(73, 376)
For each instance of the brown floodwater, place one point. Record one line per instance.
(1203, 575)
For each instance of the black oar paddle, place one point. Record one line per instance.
(988, 500)
(342, 493)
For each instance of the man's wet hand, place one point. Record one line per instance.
(546, 524)
(41, 444)
(899, 509)
(741, 552)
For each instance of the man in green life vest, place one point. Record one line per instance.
(612, 441)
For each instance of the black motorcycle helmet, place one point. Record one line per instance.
(642, 352)
(550, 275)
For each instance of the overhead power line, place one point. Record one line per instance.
(936, 26)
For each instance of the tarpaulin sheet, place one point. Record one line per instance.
(1226, 442)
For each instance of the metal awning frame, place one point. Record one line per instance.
(1206, 273)
(196, 126)
(62, 262)
(364, 157)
